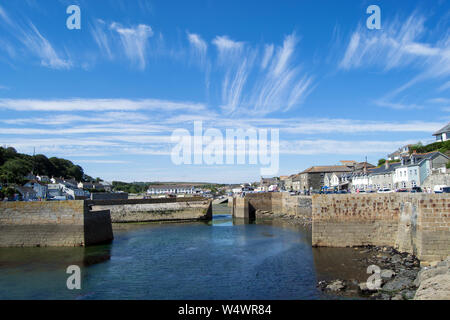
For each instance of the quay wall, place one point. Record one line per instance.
(278, 203)
(52, 223)
(154, 210)
(414, 223)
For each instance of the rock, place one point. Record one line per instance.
(397, 297)
(387, 274)
(411, 274)
(322, 285)
(435, 288)
(397, 284)
(396, 259)
(336, 285)
(428, 273)
(408, 294)
(385, 296)
(434, 263)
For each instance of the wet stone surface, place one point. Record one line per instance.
(397, 272)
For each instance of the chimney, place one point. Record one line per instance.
(386, 165)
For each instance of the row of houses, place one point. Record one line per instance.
(410, 172)
(403, 169)
(316, 178)
(43, 187)
(407, 172)
(175, 189)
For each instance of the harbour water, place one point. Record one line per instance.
(216, 260)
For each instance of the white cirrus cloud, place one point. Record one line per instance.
(198, 46)
(134, 41)
(401, 44)
(261, 80)
(79, 104)
(102, 38)
(41, 47)
(28, 35)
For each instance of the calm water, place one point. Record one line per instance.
(217, 260)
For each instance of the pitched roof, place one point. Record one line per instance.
(442, 130)
(23, 190)
(320, 169)
(382, 169)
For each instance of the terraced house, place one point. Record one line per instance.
(417, 167)
(410, 172)
(313, 178)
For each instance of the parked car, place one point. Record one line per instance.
(416, 189)
(439, 189)
(446, 190)
(385, 190)
(402, 190)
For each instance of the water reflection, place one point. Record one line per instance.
(269, 259)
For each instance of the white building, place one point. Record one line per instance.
(43, 179)
(55, 190)
(361, 182)
(417, 167)
(75, 193)
(443, 134)
(171, 189)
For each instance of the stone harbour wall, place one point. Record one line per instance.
(153, 211)
(413, 223)
(280, 203)
(52, 223)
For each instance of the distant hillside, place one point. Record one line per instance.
(14, 166)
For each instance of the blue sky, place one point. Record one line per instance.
(109, 96)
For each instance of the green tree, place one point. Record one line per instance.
(381, 162)
(42, 165)
(75, 172)
(14, 170)
(2, 156)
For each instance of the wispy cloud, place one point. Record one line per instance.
(67, 105)
(322, 146)
(396, 45)
(277, 81)
(134, 41)
(103, 161)
(42, 48)
(400, 44)
(4, 16)
(102, 38)
(445, 86)
(198, 46)
(34, 42)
